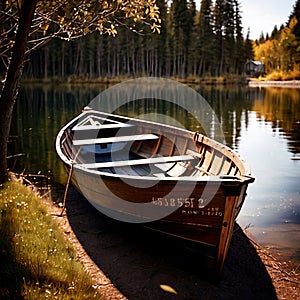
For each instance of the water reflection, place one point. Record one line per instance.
(281, 107)
(232, 106)
(38, 115)
(270, 141)
(263, 125)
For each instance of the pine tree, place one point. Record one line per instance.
(239, 53)
(262, 38)
(229, 36)
(296, 13)
(275, 34)
(181, 24)
(205, 39)
(219, 21)
(249, 53)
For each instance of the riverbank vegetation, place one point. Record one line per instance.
(36, 260)
(280, 51)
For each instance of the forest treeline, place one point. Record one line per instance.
(280, 51)
(204, 42)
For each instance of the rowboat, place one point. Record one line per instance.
(170, 179)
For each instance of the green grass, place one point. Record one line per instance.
(36, 260)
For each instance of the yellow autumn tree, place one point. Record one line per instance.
(290, 46)
(281, 55)
(267, 53)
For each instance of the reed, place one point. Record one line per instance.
(37, 262)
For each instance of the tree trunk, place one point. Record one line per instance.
(46, 60)
(99, 52)
(12, 82)
(63, 60)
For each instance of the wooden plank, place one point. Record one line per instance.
(126, 171)
(166, 166)
(208, 159)
(194, 153)
(135, 162)
(101, 126)
(217, 163)
(177, 170)
(227, 228)
(115, 139)
(155, 151)
(202, 170)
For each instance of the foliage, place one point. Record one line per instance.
(28, 24)
(36, 260)
(208, 42)
(281, 51)
(69, 20)
(279, 76)
(296, 13)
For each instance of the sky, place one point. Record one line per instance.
(262, 15)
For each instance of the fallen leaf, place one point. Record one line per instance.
(168, 289)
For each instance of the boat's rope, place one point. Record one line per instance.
(73, 162)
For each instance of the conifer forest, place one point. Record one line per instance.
(191, 42)
(188, 43)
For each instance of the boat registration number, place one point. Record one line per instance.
(195, 206)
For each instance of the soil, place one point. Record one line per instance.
(130, 262)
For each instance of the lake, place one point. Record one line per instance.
(262, 124)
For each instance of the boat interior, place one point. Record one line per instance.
(136, 148)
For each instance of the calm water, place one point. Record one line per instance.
(263, 125)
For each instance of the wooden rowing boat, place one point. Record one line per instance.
(173, 180)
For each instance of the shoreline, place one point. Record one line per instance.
(123, 265)
(126, 260)
(205, 81)
(272, 83)
(208, 80)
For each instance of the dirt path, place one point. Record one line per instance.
(129, 262)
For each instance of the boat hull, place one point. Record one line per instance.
(204, 216)
(171, 180)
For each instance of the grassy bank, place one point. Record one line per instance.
(36, 260)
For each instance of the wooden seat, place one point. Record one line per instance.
(99, 126)
(135, 162)
(115, 139)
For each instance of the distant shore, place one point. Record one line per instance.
(207, 80)
(273, 83)
(216, 81)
